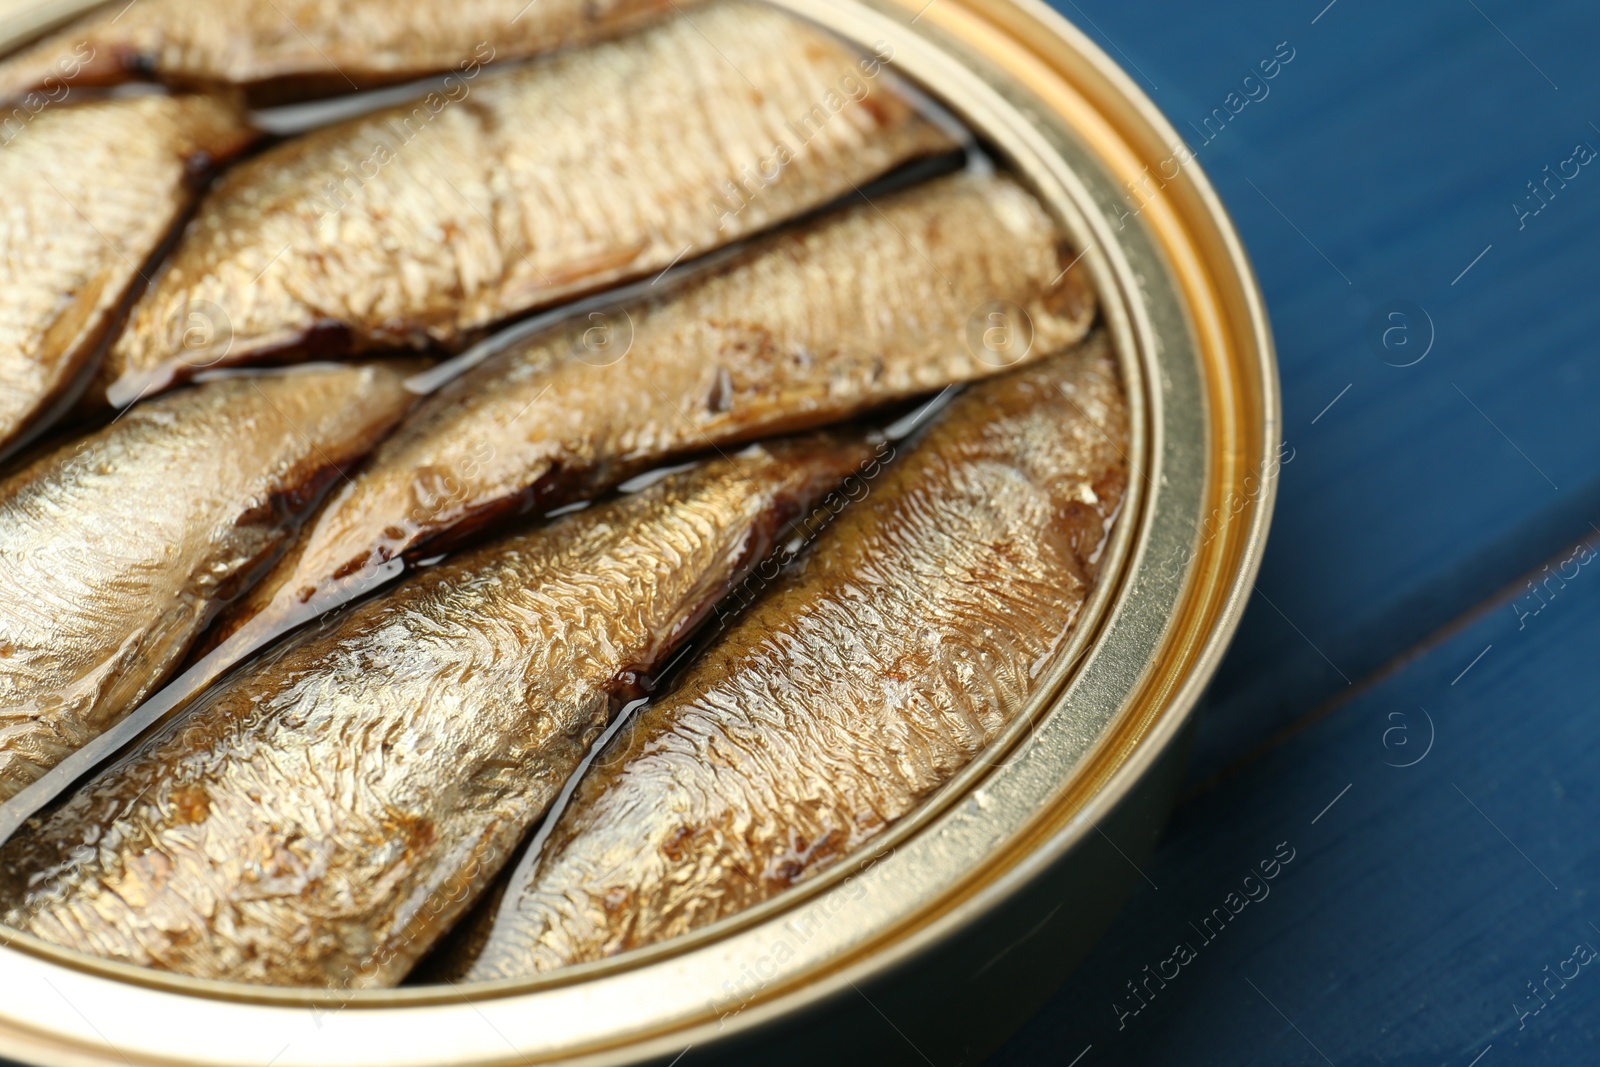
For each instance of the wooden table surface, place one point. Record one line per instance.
(1409, 708)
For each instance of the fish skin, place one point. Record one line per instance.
(297, 49)
(322, 817)
(115, 549)
(810, 326)
(536, 184)
(91, 193)
(823, 715)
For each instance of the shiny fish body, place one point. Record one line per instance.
(117, 548)
(325, 814)
(293, 49)
(423, 224)
(808, 327)
(90, 192)
(865, 680)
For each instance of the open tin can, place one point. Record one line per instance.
(953, 927)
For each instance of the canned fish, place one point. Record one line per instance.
(958, 867)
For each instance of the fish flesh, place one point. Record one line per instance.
(117, 548)
(867, 306)
(91, 193)
(326, 813)
(871, 674)
(424, 224)
(297, 49)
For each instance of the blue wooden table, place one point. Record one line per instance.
(1410, 708)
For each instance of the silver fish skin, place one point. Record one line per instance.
(117, 548)
(424, 224)
(297, 49)
(867, 306)
(91, 191)
(323, 815)
(866, 679)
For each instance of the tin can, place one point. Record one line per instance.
(955, 926)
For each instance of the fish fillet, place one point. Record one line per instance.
(116, 549)
(866, 679)
(295, 49)
(91, 192)
(424, 224)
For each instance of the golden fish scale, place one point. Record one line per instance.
(324, 815)
(538, 183)
(293, 48)
(91, 191)
(866, 680)
(865, 307)
(115, 549)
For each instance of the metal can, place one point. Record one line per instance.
(957, 924)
